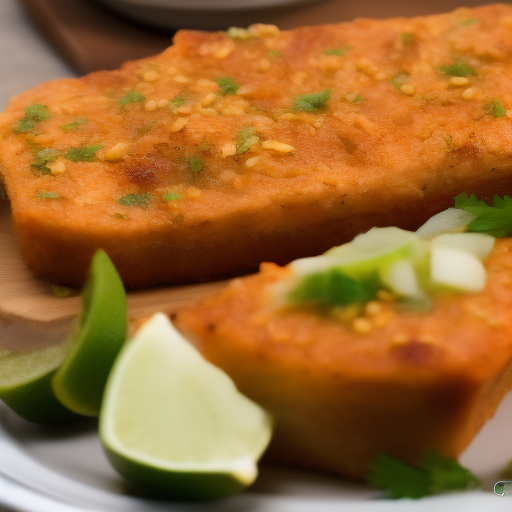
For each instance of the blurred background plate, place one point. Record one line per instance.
(201, 14)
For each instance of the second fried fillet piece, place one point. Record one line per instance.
(348, 383)
(230, 149)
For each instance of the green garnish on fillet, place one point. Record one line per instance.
(339, 51)
(227, 85)
(33, 114)
(73, 127)
(495, 108)
(246, 138)
(458, 68)
(83, 154)
(131, 97)
(312, 102)
(43, 158)
(140, 200)
(171, 196)
(399, 80)
(44, 194)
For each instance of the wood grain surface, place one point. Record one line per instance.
(31, 314)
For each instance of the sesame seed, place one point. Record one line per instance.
(150, 105)
(193, 192)
(185, 109)
(181, 79)
(281, 147)
(263, 30)
(151, 76)
(208, 99)
(251, 162)
(508, 113)
(381, 75)
(163, 103)
(228, 149)
(223, 52)
(117, 152)
(459, 80)
(57, 167)
(407, 89)
(362, 326)
(205, 111)
(372, 308)
(179, 124)
(264, 64)
(470, 93)
(238, 182)
(288, 117)
(207, 84)
(245, 90)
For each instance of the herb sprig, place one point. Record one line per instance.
(494, 220)
(434, 474)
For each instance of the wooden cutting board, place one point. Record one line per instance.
(31, 314)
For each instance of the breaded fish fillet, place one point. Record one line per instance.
(234, 148)
(342, 392)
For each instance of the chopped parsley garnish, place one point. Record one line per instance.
(131, 97)
(434, 474)
(44, 194)
(33, 114)
(44, 157)
(246, 138)
(399, 80)
(83, 154)
(312, 102)
(494, 220)
(358, 99)
(177, 102)
(405, 39)
(274, 53)
(458, 68)
(331, 288)
(73, 127)
(171, 196)
(141, 200)
(469, 21)
(339, 52)
(227, 85)
(196, 164)
(495, 108)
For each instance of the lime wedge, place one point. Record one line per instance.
(175, 425)
(79, 382)
(25, 383)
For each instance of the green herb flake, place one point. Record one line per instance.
(121, 216)
(458, 68)
(196, 164)
(338, 52)
(495, 108)
(359, 98)
(44, 194)
(141, 200)
(406, 39)
(227, 85)
(131, 97)
(435, 474)
(469, 21)
(177, 102)
(246, 138)
(73, 127)
(312, 102)
(61, 291)
(44, 157)
(331, 288)
(83, 154)
(399, 80)
(171, 196)
(274, 53)
(494, 220)
(33, 114)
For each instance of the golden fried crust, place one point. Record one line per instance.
(416, 381)
(419, 111)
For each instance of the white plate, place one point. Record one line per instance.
(61, 468)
